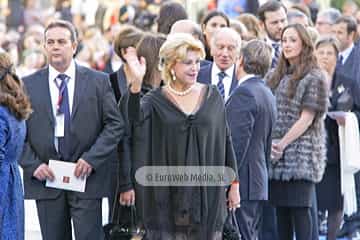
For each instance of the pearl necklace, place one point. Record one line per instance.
(179, 93)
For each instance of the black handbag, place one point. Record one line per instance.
(123, 224)
(231, 228)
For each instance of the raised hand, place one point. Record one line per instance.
(137, 69)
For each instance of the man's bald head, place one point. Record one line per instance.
(187, 26)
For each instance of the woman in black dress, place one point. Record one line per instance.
(180, 124)
(329, 189)
(149, 48)
(299, 150)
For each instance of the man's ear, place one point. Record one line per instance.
(239, 66)
(262, 26)
(75, 47)
(353, 35)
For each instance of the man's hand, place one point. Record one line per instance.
(43, 172)
(339, 116)
(82, 168)
(127, 198)
(341, 120)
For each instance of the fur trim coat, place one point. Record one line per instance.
(304, 158)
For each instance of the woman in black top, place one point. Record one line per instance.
(329, 189)
(149, 48)
(181, 124)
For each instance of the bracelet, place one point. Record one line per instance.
(235, 182)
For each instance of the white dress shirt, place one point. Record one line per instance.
(346, 53)
(271, 42)
(226, 81)
(54, 94)
(243, 79)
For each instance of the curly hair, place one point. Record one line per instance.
(175, 48)
(307, 62)
(12, 94)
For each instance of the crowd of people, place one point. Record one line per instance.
(264, 93)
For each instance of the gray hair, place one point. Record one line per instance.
(227, 30)
(256, 55)
(296, 14)
(332, 14)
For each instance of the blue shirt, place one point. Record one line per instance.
(229, 7)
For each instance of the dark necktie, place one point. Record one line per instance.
(63, 108)
(340, 59)
(275, 59)
(220, 83)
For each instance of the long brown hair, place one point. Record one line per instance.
(307, 62)
(12, 93)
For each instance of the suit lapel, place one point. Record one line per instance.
(205, 74)
(122, 82)
(80, 89)
(45, 101)
(234, 81)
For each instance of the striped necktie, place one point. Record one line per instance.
(220, 83)
(275, 59)
(63, 108)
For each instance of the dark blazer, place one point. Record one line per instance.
(125, 170)
(204, 63)
(252, 6)
(350, 68)
(251, 114)
(96, 128)
(118, 83)
(339, 82)
(204, 76)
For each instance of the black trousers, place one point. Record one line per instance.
(249, 219)
(55, 217)
(268, 229)
(294, 218)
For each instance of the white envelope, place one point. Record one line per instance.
(64, 177)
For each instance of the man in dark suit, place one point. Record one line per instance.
(273, 19)
(225, 45)
(345, 30)
(76, 120)
(347, 73)
(251, 114)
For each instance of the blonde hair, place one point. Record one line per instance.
(175, 49)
